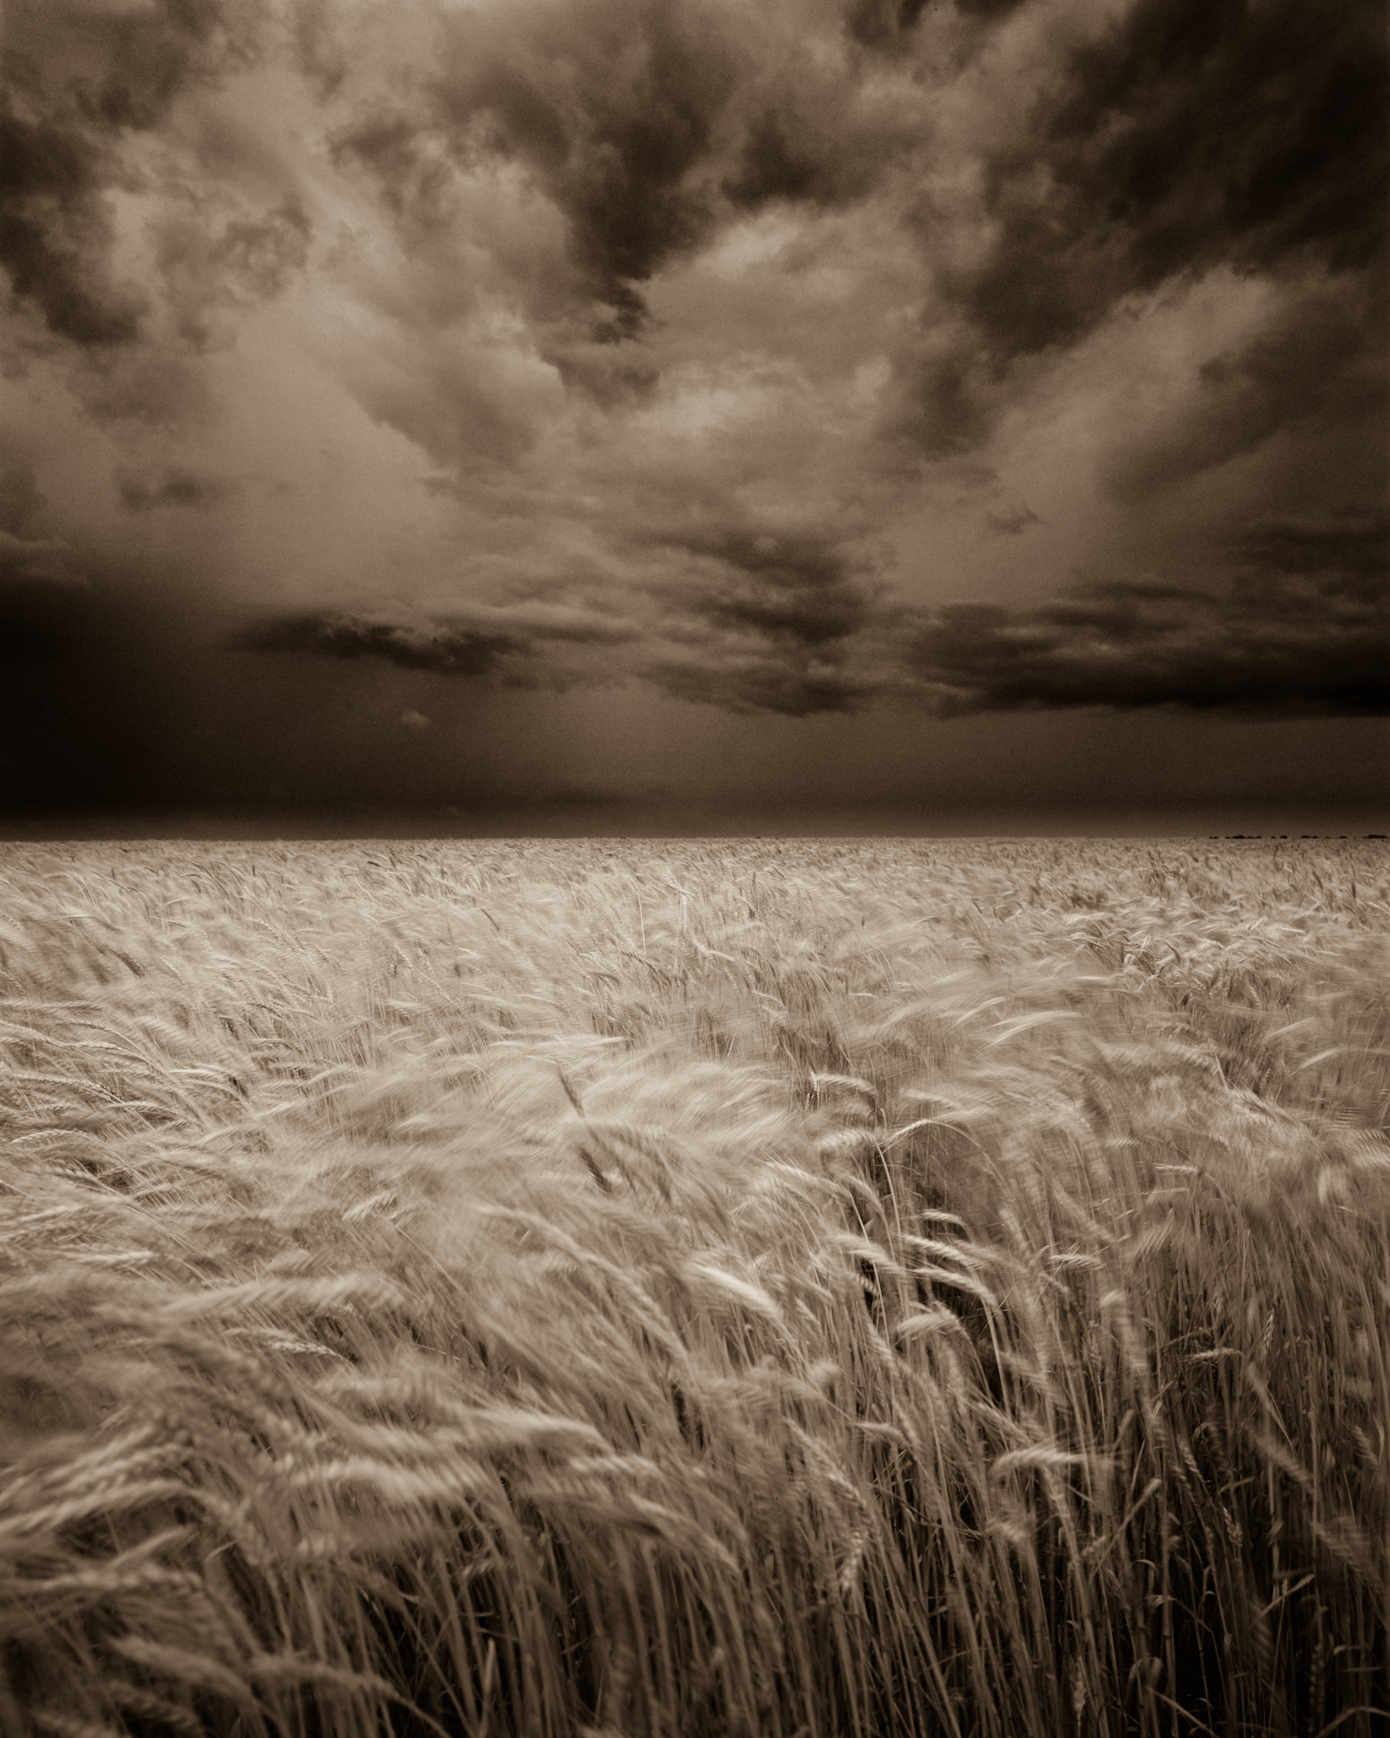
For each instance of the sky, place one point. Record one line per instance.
(588, 407)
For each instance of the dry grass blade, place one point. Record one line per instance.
(772, 1287)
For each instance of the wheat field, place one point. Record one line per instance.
(750, 1287)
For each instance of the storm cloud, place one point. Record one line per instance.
(1187, 134)
(787, 625)
(609, 107)
(80, 83)
(56, 234)
(1268, 650)
(814, 361)
(794, 587)
(441, 647)
(1273, 645)
(1347, 553)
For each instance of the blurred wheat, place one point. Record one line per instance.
(764, 1287)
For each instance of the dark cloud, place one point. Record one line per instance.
(941, 406)
(774, 165)
(1192, 133)
(611, 107)
(173, 486)
(742, 662)
(1269, 647)
(876, 23)
(795, 623)
(78, 81)
(613, 129)
(440, 647)
(160, 387)
(1188, 136)
(759, 681)
(645, 126)
(747, 619)
(807, 146)
(883, 24)
(800, 587)
(1344, 552)
(56, 231)
(149, 55)
(911, 263)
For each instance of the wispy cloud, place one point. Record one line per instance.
(441, 647)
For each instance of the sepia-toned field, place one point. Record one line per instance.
(760, 1287)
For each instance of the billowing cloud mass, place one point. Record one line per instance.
(810, 359)
(1263, 649)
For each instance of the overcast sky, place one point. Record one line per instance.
(698, 402)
